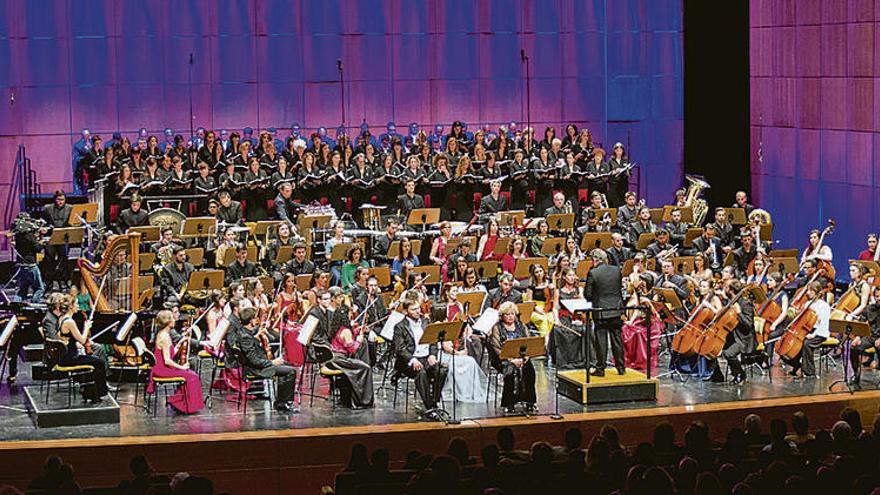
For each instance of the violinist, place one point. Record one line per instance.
(803, 365)
(188, 397)
(536, 243)
(503, 293)
(515, 251)
(470, 380)
(257, 362)
(404, 254)
(870, 252)
(741, 340)
(371, 304)
(542, 291)
(350, 353)
(519, 374)
(486, 245)
(860, 345)
(70, 335)
(471, 282)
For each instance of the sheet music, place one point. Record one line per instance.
(7, 331)
(218, 334)
(486, 321)
(126, 327)
(387, 332)
(574, 305)
(308, 329)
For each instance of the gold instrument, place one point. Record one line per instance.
(604, 201)
(167, 217)
(693, 200)
(760, 217)
(91, 273)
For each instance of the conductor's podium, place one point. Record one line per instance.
(631, 386)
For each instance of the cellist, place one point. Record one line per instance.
(861, 345)
(777, 326)
(860, 286)
(803, 364)
(741, 340)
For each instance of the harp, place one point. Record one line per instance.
(94, 275)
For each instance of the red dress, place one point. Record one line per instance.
(489, 248)
(188, 397)
(635, 347)
(294, 352)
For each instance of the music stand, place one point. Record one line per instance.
(737, 216)
(645, 239)
(87, 211)
(198, 227)
(560, 221)
(307, 222)
(656, 215)
(729, 259)
(423, 217)
(149, 233)
(284, 254)
(683, 264)
(382, 274)
(66, 236)
(612, 212)
(205, 280)
(553, 246)
(262, 227)
(525, 310)
(783, 253)
(848, 329)
(146, 260)
(687, 213)
(501, 246)
(453, 243)
(511, 218)
(431, 272)
(195, 256)
(785, 265)
(394, 248)
(340, 251)
(437, 333)
(473, 301)
(690, 235)
(583, 269)
(628, 267)
(596, 240)
(485, 269)
(307, 330)
(527, 348)
(523, 265)
(766, 232)
(303, 282)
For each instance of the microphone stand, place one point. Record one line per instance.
(191, 116)
(525, 59)
(342, 89)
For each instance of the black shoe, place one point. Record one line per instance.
(599, 373)
(621, 371)
(739, 378)
(532, 409)
(11, 379)
(283, 407)
(509, 410)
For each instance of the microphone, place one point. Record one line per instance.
(191, 59)
(522, 55)
(339, 64)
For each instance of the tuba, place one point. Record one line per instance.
(693, 200)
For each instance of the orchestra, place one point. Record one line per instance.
(421, 224)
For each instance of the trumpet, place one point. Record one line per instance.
(604, 203)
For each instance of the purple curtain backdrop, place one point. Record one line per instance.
(814, 70)
(108, 65)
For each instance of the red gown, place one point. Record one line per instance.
(188, 397)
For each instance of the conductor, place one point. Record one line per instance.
(604, 289)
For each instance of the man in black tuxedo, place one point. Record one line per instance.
(57, 214)
(416, 360)
(745, 253)
(742, 201)
(241, 267)
(709, 245)
(604, 290)
(133, 216)
(383, 242)
(618, 253)
(284, 207)
(257, 363)
(230, 211)
(299, 264)
(493, 202)
(409, 201)
(323, 312)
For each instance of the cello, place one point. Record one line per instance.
(770, 310)
(792, 340)
(685, 340)
(713, 339)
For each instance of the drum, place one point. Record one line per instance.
(167, 217)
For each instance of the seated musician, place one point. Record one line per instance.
(72, 338)
(257, 362)
(230, 211)
(710, 246)
(811, 267)
(627, 213)
(519, 374)
(165, 242)
(383, 242)
(284, 205)
(869, 252)
(373, 310)
(742, 201)
(724, 229)
(814, 251)
(269, 262)
(241, 267)
(359, 286)
(350, 355)
(642, 225)
(803, 364)
(409, 200)
(635, 328)
(618, 253)
(133, 216)
(746, 253)
(355, 259)
(559, 207)
(486, 244)
(860, 345)
(661, 245)
(188, 398)
(299, 264)
(536, 243)
(464, 253)
(676, 228)
(418, 361)
(515, 251)
(493, 202)
(503, 293)
(741, 340)
(670, 280)
(118, 296)
(175, 274)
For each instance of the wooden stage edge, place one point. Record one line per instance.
(308, 458)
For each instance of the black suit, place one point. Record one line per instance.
(237, 271)
(604, 289)
(430, 379)
(232, 214)
(128, 219)
(617, 256)
(257, 363)
(677, 232)
(701, 245)
(284, 209)
(56, 265)
(742, 258)
(742, 339)
(490, 205)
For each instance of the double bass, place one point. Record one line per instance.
(824, 265)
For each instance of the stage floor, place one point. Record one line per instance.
(223, 415)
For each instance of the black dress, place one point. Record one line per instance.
(566, 340)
